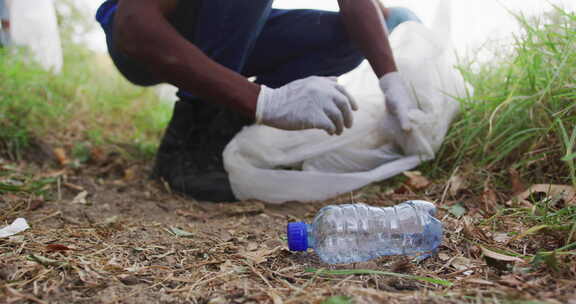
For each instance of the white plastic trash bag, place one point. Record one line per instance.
(19, 225)
(34, 25)
(277, 166)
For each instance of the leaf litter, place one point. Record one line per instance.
(135, 243)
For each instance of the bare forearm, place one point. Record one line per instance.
(174, 60)
(364, 20)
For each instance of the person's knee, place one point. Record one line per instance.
(399, 15)
(132, 70)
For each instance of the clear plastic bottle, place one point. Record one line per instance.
(357, 232)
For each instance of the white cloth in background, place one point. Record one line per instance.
(4, 13)
(34, 26)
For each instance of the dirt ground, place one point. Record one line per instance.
(119, 238)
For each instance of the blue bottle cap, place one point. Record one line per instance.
(297, 236)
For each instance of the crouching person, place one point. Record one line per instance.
(209, 49)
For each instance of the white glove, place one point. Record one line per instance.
(309, 103)
(398, 101)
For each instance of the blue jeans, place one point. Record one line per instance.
(249, 37)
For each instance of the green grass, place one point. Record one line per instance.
(377, 272)
(523, 114)
(89, 104)
(12, 181)
(338, 300)
(523, 117)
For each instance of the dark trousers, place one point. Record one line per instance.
(249, 37)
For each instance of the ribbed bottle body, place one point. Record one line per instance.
(358, 232)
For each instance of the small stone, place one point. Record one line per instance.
(129, 279)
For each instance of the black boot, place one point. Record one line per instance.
(190, 155)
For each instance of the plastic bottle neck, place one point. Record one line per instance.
(310, 235)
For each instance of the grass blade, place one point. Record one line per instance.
(378, 272)
(338, 300)
(529, 232)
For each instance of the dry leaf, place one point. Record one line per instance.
(129, 280)
(416, 181)
(489, 200)
(57, 247)
(457, 210)
(461, 263)
(179, 232)
(259, 256)
(443, 256)
(10, 198)
(97, 155)
(252, 246)
(455, 184)
(499, 256)
(36, 203)
(229, 267)
(401, 190)
(554, 192)
(110, 220)
(472, 231)
(501, 237)
(80, 198)
(61, 156)
(44, 260)
(403, 265)
(516, 181)
(130, 174)
(225, 235)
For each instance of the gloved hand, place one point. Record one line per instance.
(398, 100)
(309, 103)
